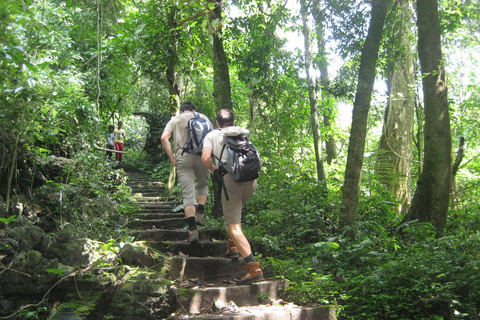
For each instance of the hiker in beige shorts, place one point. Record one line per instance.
(238, 194)
(189, 169)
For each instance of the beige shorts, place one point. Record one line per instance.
(238, 194)
(189, 169)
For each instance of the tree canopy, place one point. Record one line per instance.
(363, 147)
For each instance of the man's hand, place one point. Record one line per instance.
(165, 140)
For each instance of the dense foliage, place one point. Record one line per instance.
(71, 68)
(390, 272)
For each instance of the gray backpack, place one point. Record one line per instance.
(197, 130)
(243, 158)
(243, 161)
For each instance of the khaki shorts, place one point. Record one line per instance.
(238, 194)
(189, 168)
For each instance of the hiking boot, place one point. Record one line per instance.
(200, 219)
(232, 251)
(193, 236)
(254, 274)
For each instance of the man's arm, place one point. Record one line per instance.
(207, 158)
(165, 139)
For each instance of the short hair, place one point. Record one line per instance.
(111, 127)
(187, 106)
(225, 118)
(120, 122)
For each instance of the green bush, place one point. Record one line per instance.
(387, 272)
(417, 276)
(436, 279)
(299, 213)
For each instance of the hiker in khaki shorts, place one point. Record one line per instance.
(238, 194)
(189, 168)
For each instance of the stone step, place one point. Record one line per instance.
(138, 189)
(139, 178)
(203, 286)
(147, 194)
(154, 198)
(208, 269)
(193, 301)
(267, 312)
(157, 205)
(160, 212)
(163, 206)
(215, 248)
(169, 223)
(146, 183)
(176, 235)
(139, 175)
(151, 214)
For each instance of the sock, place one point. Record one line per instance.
(191, 223)
(250, 258)
(200, 208)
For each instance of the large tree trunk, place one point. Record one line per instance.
(363, 97)
(172, 58)
(396, 143)
(174, 92)
(322, 65)
(313, 89)
(431, 200)
(222, 94)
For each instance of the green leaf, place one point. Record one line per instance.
(12, 218)
(57, 271)
(334, 245)
(129, 239)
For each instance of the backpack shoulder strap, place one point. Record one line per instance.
(221, 153)
(223, 172)
(219, 159)
(196, 115)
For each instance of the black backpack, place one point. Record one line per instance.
(243, 160)
(197, 130)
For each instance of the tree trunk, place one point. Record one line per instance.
(456, 167)
(313, 88)
(173, 89)
(420, 118)
(431, 200)
(222, 94)
(396, 142)
(322, 65)
(363, 97)
(172, 58)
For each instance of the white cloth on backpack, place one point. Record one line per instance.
(215, 140)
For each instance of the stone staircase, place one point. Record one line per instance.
(202, 278)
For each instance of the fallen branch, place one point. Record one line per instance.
(2, 267)
(111, 150)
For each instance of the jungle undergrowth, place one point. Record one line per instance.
(407, 272)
